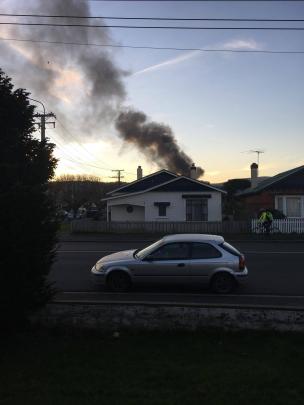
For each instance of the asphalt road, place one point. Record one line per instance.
(275, 269)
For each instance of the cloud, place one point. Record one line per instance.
(169, 62)
(212, 173)
(241, 44)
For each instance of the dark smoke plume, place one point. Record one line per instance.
(98, 89)
(155, 140)
(83, 85)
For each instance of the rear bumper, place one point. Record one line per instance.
(241, 276)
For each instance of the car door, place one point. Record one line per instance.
(169, 263)
(205, 258)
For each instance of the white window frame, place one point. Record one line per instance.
(284, 200)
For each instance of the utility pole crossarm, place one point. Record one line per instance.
(43, 118)
(118, 176)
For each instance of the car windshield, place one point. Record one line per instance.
(144, 252)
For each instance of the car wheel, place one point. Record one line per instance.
(118, 281)
(223, 283)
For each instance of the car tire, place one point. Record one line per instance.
(223, 283)
(118, 281)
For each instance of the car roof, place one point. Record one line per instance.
(193, 237)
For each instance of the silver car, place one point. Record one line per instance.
(174, 259)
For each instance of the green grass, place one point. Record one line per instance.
(52, 367)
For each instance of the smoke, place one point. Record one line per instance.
(83, 80)
(155, 140)
(83, 85)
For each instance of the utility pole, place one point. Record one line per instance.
(43, 117)
(118, 176)
(43, 121)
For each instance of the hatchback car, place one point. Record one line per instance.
(174, 259)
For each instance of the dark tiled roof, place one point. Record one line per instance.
(265, 184)
(186, 184)
(146, 182)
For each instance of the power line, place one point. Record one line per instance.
(162, 48)
(72, 159)
(153, 18)
(79, 143)
(165, 27)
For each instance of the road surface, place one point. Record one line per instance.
(275, 269)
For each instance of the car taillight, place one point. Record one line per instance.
(242, 264)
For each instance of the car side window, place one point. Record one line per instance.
(204, 251)
(171, 251)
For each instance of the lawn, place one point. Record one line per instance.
(215, 367)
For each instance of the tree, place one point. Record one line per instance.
(27, 213)
(232, 205)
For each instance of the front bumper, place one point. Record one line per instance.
(97, 277)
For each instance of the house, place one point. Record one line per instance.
(283, 192)
(165, 196)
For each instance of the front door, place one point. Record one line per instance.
(169, 263)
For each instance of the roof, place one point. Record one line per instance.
(146, 182)
(186, 184)
(263, 185)
(183, 183)
(193, 237)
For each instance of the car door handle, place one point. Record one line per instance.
(181, 265)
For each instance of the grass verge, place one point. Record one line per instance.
(213, 367)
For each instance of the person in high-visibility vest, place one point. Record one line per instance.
(266, 219)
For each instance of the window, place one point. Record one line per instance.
(204, 251)
(171, 251)
(162, 208)
(290, 205)
(196, 209)
(280, 204)
(230, 249)
(293, 206)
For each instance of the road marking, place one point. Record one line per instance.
(274, 252)
(88, 251)
(114, 251)
(190, 294)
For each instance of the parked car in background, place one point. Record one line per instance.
(174, 259)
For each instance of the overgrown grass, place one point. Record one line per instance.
(51, 367)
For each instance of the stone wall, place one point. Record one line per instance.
(154, 316)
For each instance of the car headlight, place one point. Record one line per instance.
(99, 267)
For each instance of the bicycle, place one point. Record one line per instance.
(260, 228)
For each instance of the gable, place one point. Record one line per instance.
(293, 181)
(184, 184)
(147, 182)
(290, 180)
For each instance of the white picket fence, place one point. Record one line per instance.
(291, 225)
(88, 225)
(287, 225)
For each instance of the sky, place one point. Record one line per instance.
(219, 105)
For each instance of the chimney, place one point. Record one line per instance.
(254, 175)
(139, 173)
(193, 171)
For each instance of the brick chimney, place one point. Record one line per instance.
(139, 173)
(254, 175)
(193, 174)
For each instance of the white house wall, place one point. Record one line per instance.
(175, 212)
(120, 213)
